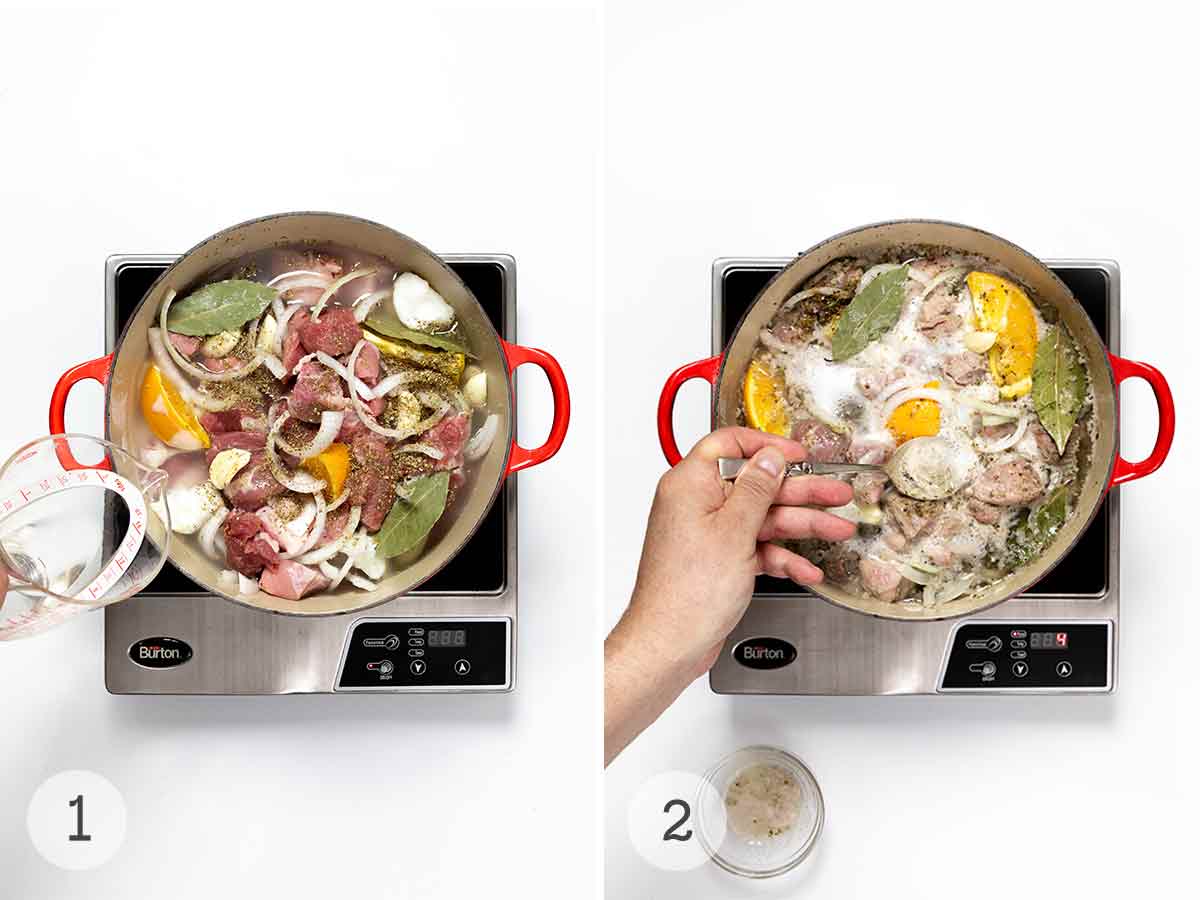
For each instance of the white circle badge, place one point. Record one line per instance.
(77, 820)
(662, 821)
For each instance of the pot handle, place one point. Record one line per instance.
(1123, 470)
(520, 457)
(703, 368)
(97, 370)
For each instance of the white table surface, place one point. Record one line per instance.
(759, 130)
(472, 131)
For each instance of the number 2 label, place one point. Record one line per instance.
(672, 833)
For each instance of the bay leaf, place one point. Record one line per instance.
(411, 520)
(1029, 537)
(871, 314)
(1059, 384)
(390, 327)
(220, 306)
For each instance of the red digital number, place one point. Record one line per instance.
(1060, 639)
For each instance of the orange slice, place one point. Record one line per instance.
(330, 465)
(762, 396)
(168, 414)
(1004, 308)
(916, 418)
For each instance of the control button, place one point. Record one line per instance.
(1021, 669)
(417, 652)
(1019, 635)
(1064, 669)
(383, 667)
(1018, 645)
(986, 669)
(991, 645)
(462, 667)
(416, 642)
(416, 631)
(417, 667)
(1018, 654)
(390, 642)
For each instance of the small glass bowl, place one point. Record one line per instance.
(759, 857)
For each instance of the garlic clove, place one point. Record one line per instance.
(979, 341)
(226, 465)
(475, 387)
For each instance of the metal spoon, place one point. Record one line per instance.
(922, 468)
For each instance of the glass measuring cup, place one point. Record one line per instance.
(82, 524)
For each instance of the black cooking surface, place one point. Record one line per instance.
(479, 566)
(1085, 569)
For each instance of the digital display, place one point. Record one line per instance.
(1047, 640)
(448, 637)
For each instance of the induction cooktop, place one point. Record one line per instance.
(456, 633)
(1060, 637)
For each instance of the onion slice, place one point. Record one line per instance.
(364, 416)
(297, 273)
(275, 365)
(874, 272)
(424, 449)
(208, 534)
(337, 285)
(995, 409)
(1005, 443)
(359, 581)
(481, 440)
(939, 279)
(158, 348)
(334, 547)
(916, 576)
(282, 325)
(811, 292)
(331, 424)
(922, 393)
(366, 303)
(314, 531)
(335, 576)
(300, 482)
(352, 380)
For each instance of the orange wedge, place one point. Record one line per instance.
(330, 465)
(1004, 308)
(168, 414)
(762, 396)
(916, 418)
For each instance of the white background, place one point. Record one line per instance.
(751, 129)
(471, 131)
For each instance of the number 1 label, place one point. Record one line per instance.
(78, 835)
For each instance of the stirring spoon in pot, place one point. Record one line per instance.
(922, 468)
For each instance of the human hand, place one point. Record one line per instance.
(707, 539)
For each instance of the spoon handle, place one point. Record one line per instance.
(729, 468)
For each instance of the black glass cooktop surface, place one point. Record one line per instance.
(1085, 569)
(480, 566)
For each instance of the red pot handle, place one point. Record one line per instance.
(703, 368)
(521, 458)
(97, 370)
(1124, 470)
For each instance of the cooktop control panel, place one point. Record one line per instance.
(427, 655)
(1043, 657)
